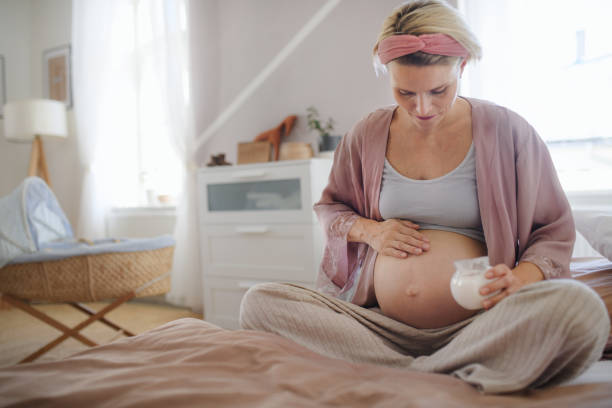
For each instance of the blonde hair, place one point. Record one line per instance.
(428, 17)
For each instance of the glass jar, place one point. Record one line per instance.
(468, 279)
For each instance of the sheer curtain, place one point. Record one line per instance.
(173, 62)
(105, 100)
(131, 86)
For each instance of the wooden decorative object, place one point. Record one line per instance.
(218, 160)
(295, 151)
(254, 152)
(275, 135)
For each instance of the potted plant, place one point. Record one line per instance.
(327, 141)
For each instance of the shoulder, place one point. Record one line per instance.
(502, 121)
(487, 110)
(371, 125)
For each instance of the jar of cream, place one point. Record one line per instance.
(468, 279)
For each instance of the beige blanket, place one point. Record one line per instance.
(189, 363)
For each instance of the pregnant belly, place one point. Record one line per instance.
(416, 290)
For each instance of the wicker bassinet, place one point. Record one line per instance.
(88, 278)
(40, 259)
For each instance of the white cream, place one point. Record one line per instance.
(468, 279)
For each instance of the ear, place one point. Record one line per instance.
(462, 66)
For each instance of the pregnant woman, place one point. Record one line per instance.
(418, 185)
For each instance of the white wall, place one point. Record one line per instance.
(27, 28)
(331, 69)
(15, 24)
(231, 41)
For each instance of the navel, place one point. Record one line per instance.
(412, 291)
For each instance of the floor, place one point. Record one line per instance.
(22, 334)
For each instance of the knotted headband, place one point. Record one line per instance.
(404, 44)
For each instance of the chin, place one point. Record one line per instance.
(428, 123)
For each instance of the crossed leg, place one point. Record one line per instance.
(546, 333)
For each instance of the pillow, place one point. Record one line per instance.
(597, 274)
(596, 227)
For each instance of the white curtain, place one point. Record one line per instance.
(131, 77)
(104, 101)
(173, 61)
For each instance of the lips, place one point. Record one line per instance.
(425, 117)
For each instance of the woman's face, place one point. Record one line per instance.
(425, 93)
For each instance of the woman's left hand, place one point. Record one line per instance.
(508, 280)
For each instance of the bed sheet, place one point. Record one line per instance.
(190, 362)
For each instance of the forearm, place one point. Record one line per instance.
(361, 230)
(546, 230)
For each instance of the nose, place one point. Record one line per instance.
(423, 105)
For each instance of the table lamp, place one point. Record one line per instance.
(28, 120)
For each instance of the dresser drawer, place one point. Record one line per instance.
(274, 193)
(262, 251)
(222, 297)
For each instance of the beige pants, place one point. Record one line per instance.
(544, 334)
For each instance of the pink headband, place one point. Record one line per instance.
(404, 44)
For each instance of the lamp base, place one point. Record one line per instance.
(38, 162)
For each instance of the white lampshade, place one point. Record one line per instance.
(25, 119)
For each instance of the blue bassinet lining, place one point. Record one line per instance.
(53, 251)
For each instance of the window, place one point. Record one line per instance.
(551, 62)
(145, 31)
(160, 169)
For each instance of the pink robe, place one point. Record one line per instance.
(525, 213)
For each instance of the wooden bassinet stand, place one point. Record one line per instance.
(119, 276)
(41, 260)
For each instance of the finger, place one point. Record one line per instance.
(492, 301)
(497, 270)
(414, 234)
(411, 249)
(409, 224)
(500, 283)
(394, 253)
(408, 240)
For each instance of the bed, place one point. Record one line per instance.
(190, 362)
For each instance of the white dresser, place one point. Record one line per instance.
(257, 225)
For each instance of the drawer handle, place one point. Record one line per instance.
(247, 284)
(248, 174)
(256, 229)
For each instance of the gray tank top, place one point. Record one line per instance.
(448, 203)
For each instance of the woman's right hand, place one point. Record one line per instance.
(393, 237)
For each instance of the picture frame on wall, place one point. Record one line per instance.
(2, 85)
(57, 74)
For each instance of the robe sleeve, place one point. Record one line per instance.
(341, 204)
(546, 228)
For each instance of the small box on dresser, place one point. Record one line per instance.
(257, 225)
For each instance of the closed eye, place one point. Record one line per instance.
(405, 93)
(433, 92)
